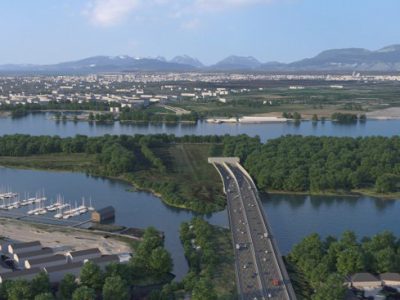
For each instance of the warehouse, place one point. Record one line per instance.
(57, 273)
(23, 274)
(20, 258)
(105, 260)
(24, 247)
(44, 262)
(103, 215)
(82, 255)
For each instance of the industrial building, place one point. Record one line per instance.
(83, 255)
(103, 215)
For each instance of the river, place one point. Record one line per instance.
(40, 124)
(292, 217)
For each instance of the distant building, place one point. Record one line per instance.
(23, 274)
(82, 255)
(57, 273)
(24, 247)
(104, 214)
(20, 258)
(390, 279)
(105, 260)
(47, 261)
(364, 280)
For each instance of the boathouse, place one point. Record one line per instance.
(103, 215)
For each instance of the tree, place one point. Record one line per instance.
(67, 286)
(91, 276)
(44, 296)
(332, 289)
(115, 288)
(204, 290)
(19, 289)
(40, 284)
(314, 118)
(387, 183)
(84, 293)
(350, 261)
(160, 261)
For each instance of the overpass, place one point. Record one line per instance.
(260, 270)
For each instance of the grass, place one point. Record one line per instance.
(187, 164)
(62, 162)
(187, 167)
(317, 98)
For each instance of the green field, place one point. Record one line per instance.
(187, 167)
(315, 98)
(197, 182)
(61, 162)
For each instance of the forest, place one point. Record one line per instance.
(320, 164)
(290, 163)
(322, 266)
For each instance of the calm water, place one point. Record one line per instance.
(291, 217)
(135, 209)
(39, 124)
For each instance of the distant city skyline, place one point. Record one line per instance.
(46, 31)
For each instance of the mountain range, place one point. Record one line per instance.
(386, 59)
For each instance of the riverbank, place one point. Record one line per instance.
(63, 238)
(353, 193)
(189, 181)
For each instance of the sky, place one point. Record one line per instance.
(51, 31)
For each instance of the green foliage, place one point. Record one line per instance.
(44, 296)
(344, 118)
(19, 289)
(84, 293)
(115, 288)
(201, 251)
(151, 258)
(325, 264)
(160, 261)
(331, 289)
(317, 164)
(40, 284)
(387, 183)
(67, 286)
(91, 276)
(203, 290)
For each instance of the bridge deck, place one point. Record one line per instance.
(260, 271)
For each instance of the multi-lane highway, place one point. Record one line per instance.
(260, 271)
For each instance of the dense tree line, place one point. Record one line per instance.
(347, 118)
(150, 117)
(290, 163)
(295, 163)
(20, 110)
(326, 263)
(151, 260)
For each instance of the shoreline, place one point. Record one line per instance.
(136, 187)
(354, 194)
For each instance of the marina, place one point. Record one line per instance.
(37, 205)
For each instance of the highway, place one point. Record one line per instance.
(260, 271)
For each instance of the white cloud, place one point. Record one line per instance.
(110, 12)
(218, 5)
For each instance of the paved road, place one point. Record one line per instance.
(260, 271)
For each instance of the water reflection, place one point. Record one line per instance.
(41, 124)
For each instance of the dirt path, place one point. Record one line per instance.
(62, 239)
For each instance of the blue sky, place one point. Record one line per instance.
(49, 31)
